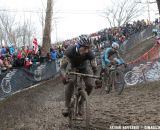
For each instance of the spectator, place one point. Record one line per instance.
(35, 59)
(11, 50)
(3, 51)
(2, 67)
(23, 52)
(6, 63)
(60, 53)
(28, 63)
(19, 55)
(53, 54)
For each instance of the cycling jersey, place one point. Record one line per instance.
(106, 57)
(78, 61)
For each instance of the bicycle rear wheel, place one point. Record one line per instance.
(118, 81)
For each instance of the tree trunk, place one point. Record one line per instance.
(158, 4)
(47, 30)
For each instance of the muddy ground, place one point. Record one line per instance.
(40, 108)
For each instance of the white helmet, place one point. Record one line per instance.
(115, 45)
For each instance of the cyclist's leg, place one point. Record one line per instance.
(104, 65)
(88, 84)
(105, 72)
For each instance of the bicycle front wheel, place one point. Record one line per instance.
(119, 81)
(86, 109)
(73, 112)
(106, 84)
(131, 78)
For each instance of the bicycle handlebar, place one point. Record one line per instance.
(84, 75)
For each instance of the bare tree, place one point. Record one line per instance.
(1, 36)
(47, 30)
(7, 24)
(122, 11)
(14, 32)
(28, 32)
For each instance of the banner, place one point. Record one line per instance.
(20, 78)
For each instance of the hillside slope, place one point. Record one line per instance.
(138, 50)
(40, 108)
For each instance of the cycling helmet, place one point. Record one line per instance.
(84, 41)
(115, 45)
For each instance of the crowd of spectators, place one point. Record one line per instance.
(17, 57)
(11, 57)
(115, 34)
(119, 34)
(26, 56)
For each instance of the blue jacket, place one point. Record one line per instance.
(107, 54)
(53, 55)
(12, 50)
(3, 51)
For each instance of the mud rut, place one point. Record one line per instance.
(40, 108)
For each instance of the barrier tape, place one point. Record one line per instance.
(152, 54)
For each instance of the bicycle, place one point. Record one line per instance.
(142, 73)
(113, 78)
(78, 95)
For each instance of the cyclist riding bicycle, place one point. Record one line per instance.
(111, 56)
(77, 56)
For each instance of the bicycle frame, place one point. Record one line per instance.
(111, 70)
(112, 77)
(78, 95)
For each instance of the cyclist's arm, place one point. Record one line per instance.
(106, 55)
(64, 63)
(93, 62)
(94, 66)
(119, 57)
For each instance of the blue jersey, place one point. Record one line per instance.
(107, 54)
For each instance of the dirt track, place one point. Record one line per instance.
(40, 108)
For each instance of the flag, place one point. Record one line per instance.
(35, 45)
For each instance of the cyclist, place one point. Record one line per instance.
(111, 56)
(77, 56)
